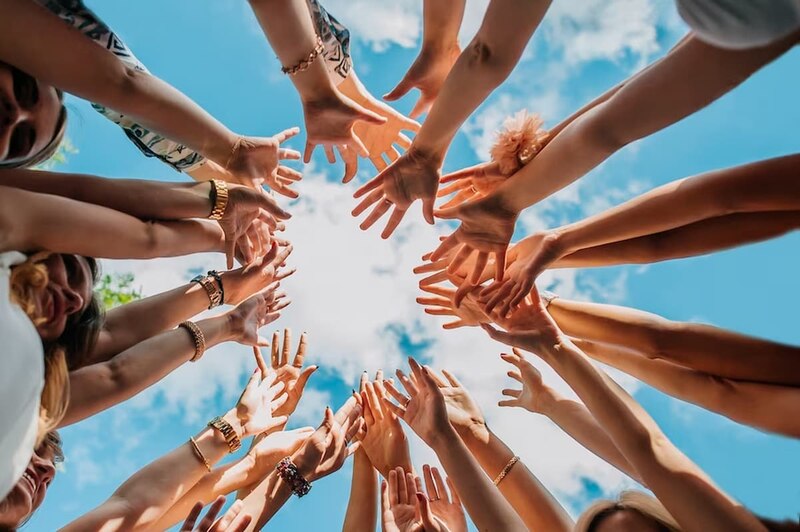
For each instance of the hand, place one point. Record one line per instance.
(411, 177)
(233, 520)
(438, 508)
(542, 250)
(424, 411)
(269, 449)
(399, 511)
(380, 140)
(292, 375)
(439, 268)
(463, 412)
(243, 282)
(255, 409)
(471, 183)
(255, 161)
(468, 314)
(487, 226)
(253, 313)
(327, 448)
(243, 221)
(534, 396)
(384, 441)
(330, 122)
(528, 327)
(427, 73)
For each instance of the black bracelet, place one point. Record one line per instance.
(289, 473)
(216, 275)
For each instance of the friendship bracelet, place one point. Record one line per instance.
(219, 193)
(303, 64)
(291, 475)
(197, 336)
(216, 275)
(506, 470)
(215, 294)
(199, 453)
(227, 431)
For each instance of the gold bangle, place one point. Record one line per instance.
(303, 64)
(199, 453)
(197, 336)
(227, 431)
(506, 470)
(220, 191)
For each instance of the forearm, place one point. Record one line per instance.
(485, 505)
(530, 498)
(129, 324)
(699, 238)
(684, 489)
(32, 221)
(142, 499)
(362, 513)
(265, 500)
(100, 386)
(441, 22)
(288, 26)
(650, 101)
(574, 419)
(220, 481)
(147, 200)
(702, 347)
(481, 67)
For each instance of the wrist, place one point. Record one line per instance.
(443, 440)
(475, 432)
(304, 466)
(232, 418)
(431, 156)
(439, 44)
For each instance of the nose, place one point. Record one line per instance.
(45, 470)
(73, 301)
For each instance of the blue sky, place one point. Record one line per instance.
(354, 293)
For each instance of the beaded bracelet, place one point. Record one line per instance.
(289, 473)
(197, 337)
(303, 64)
(505, 470)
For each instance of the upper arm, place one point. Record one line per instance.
(91, 391)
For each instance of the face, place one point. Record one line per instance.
(29, 113)
(28, 493)
(68, 292)
(628, 521)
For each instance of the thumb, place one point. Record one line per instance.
(303, 378)
(447, 214)
(425, 512)
(427, 209)
(230, 247)
(400, 90)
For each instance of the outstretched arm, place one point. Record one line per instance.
(698, 238)
(362, 513)
(652, 100)
(100, 77)
(694, 345)
(530, 498)
(764, 406)
(685, 490)
(31, 221)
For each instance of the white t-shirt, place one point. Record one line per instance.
(21, 381)
(740, 24)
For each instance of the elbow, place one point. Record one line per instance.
(601, 133)
(489, 61)
(125, 84)
(149, 246)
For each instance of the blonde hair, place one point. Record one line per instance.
(637, 501)
(26, 281)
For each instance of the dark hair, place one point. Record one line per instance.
(787, 525)
(611, 510)
(82, 330)
(52, 147)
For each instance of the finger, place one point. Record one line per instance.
(409, 385)
(402, 140)
(437, 378)
(300, 385)
(439, 290)
(400, 90)
(394, 488)
(378, 162)
(455, 324)
(275, 353)
(509, 402)
(374, 196)
(368, 415)
(500, 264)
(329, 153)
(283, 274)
(462, 197)
(392, 154)
(285, 153)
(435, 301)
(433, 279)
(455, 187)
(374, 402)
(211, 515)
(439, 312)
(363, 383)
(286, 134)
(432, 266)
(514, 375)
(300, 356)
(350, 158)
(385, 503)
(402, 487)
(194, 513)
(379, 210)
(480, 264)
(497, 334)
(429, 522)
(464, 173)
(230, 251)
(430, 486)
(308, 152)
(452, 379)
(289, 173)
(396, 410)
(461, 257)
(441, 490)
(398, 396)
(422, 105)
(260, 362)
(394, 220)
(287, 345)
(447, 244)
(512, 393)
(428, 204)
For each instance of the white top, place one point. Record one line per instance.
(740, 24)
(21, 381)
